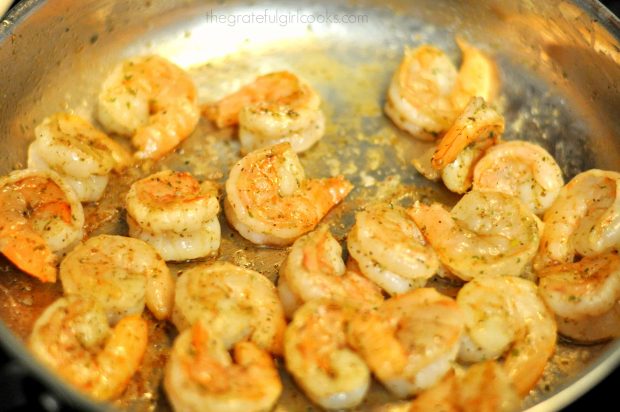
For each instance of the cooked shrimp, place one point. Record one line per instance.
(484, 387)
(82, 155)
(201, 375)
(584, 219)
(150, 100)
(73, 338)
(505, 316)
(175, 214)
(418, 99)
(275, 108)
(520, 169)
(269, 200)
(426, 93)
(476, 129)
(330, 373)
(486, 233)
(585, 297)
(237, 297)
(122, 274)
(314, 269)
(390, 249)
(410, 341)
(39, 215)
(478, 76)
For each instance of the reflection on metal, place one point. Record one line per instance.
(560, 88)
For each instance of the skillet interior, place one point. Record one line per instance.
(560, 80)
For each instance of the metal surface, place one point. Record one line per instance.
(560, 66)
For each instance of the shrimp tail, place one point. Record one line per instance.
(29, 252)
(166, 129)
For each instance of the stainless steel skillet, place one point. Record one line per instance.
(560, 63)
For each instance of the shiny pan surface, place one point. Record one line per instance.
(560, 70)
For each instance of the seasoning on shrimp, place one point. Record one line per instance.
(390, 249)
(520, 169)
(74, 339)
(314, 269)
(427, 93)
(150, 100)
(506, 317)
(319, 358)
(39, 215)
(585, 297)
(269, 200)
(483, 387)
(410, 341)
(82, 155)
(275, 108)
(175, 214)
(235, 297)
(122, 274)
(584, 220)
(201, 375)
(485, 233)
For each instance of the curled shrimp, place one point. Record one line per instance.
(175, 214)
(269, 200)
(122, 274)
(319, 358)
(275, 108)
(520, 169)
(390, 249)
(583, 220)
(476, 129)
(150, 100)
(236, 297)
(506, 317)
(427, 93)
(486, 233)
(314, 269)
(39, 215)
(478, 76)
(410, 340)
(82, 155)
(484, 387)
(73, 338)
(202, 375)
(585, 297)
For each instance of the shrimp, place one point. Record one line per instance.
(319, 358)
(201, 375)
(236, 297)
(523, 170)
(478, 76)
(314, 269)
(269, 200)
(486, 233)
(73, 338)
(484, 387)
(418, 99)
(150, 100)
(427, 93)
(410, 341)
(390, 249)
(39, 215)
(175, 214)
(476, 129)
(585, 297)
(275, 108)
(583, 220)
(505, 316)
(82, 155)
(122, 274)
